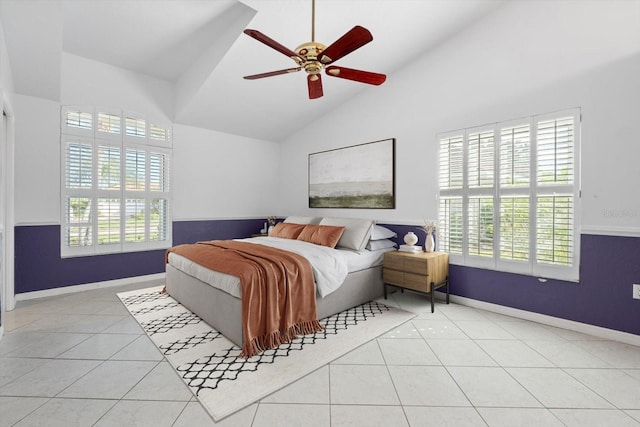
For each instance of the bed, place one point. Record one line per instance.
(215, 297)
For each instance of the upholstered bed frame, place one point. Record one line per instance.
(224, 312)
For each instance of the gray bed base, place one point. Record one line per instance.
(223, 311)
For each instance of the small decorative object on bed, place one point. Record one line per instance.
(272, 222)
(360, 176)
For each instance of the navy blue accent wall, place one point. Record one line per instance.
(609, 266)
(193, 231)
(38, 265)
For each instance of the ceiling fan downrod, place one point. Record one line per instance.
(313, 21)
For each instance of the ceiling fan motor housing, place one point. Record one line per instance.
(310, 51)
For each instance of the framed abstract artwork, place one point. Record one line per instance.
(360, 176)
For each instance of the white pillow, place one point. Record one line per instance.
(379, 232)
(375, 245)
(356, 232)
(314, 220)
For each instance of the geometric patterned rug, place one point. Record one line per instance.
(210, 364)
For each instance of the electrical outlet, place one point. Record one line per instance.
(636, 291)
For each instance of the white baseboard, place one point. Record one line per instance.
(87, 287)
(609, 334)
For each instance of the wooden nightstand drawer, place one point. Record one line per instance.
(422, 272)
(417, 282)
(394, 277)
(393, 262)
(416, 266)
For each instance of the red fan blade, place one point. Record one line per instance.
(356, 75)
(314, 82)
(274, 44)
(353, 39)
(272, 73)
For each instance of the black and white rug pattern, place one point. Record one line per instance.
(211, 365)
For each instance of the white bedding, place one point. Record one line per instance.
(330, 266)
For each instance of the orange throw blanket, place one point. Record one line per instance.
(278, 291)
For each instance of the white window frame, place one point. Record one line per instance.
(533, 190)
(95, 138)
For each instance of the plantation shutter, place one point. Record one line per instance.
(481, 159)
(78, 164)
(134, 126)
(514, 228)
(159, 188)
(480, 226)
(556, 234)
(108, 167)
(451, 163)
(515, 156)
(450, 225)
(508, 195)
(109, 221)
(82, 120)
(451, 182)
(115, 185)
(555, 152)
(109, 124)
(159, 135)
(78, 230)
(135, 170)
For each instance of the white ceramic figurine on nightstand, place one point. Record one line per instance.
(410, 238)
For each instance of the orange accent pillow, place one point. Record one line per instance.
(323, 235)
(287, 230)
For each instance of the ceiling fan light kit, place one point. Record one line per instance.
(314, 57)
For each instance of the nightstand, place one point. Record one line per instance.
(423, 272)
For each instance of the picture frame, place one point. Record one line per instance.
(356, 177)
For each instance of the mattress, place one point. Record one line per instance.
(354, 261)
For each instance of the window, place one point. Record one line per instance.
(115, 185)
(509, 195)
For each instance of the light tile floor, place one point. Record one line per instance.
(81, 360)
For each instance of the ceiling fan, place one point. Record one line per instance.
(314, 57)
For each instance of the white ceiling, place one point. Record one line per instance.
(199, 47)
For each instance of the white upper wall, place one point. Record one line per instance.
(37, 160)
(88, 82)
(41, 38)
(217, 175)
(6, 78)
(526, 58)
(214, 175)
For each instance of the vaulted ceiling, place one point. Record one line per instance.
(199, 48)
